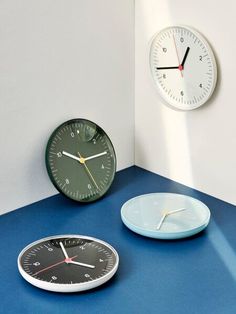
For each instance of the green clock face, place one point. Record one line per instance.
(80, 160)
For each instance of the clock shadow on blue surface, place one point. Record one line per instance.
(54, 300)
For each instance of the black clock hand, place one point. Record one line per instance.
(185, 57)
(166, 68)
(180, 67)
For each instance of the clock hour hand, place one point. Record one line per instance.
(72, 156)
(81, 264)
(161, 220)
(185, 57)
(167, 68)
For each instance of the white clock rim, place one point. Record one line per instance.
(212, 56)
(67, 288)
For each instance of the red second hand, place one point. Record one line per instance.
(61, 262)
(180, 66)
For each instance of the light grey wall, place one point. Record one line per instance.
(196, 148)
(61, 59)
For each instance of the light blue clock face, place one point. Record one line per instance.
(165, 215)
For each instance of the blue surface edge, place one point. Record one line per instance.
(194, 275)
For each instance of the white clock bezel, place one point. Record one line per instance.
(67, 288)
(161, 93)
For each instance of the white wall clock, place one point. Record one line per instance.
(183, 67)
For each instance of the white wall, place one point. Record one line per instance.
(197, 148)
(59, 60)
(62, 59)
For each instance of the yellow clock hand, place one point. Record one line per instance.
(82, 161)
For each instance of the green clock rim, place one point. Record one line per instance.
(49, 170)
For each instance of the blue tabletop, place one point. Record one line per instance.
(194, 275)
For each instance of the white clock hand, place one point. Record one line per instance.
(161, 221)
(95, 156)
(82, 161)
(64, 250)
(71, 156)
(175, 211)
(69, 260)
(81, 264)
(165, 214)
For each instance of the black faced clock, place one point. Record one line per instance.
(68, 263)
(81, 160)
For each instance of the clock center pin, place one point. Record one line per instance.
(82, 160)
(68, 260)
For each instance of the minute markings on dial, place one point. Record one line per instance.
(159, 60)
(34, 261)
(96, 152)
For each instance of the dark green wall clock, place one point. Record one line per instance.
(81, 160)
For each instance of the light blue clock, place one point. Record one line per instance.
(165, 215)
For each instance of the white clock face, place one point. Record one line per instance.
(183, 67)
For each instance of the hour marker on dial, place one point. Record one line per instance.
(81, 167)
(185, 72)
(67, 267)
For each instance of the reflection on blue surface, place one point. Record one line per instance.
(223, 248)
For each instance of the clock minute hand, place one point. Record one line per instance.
(185, 57)
(176, 211)
(161, 220)
(64, 250)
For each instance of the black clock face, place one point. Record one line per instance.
(81, 160)
(68, 261)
